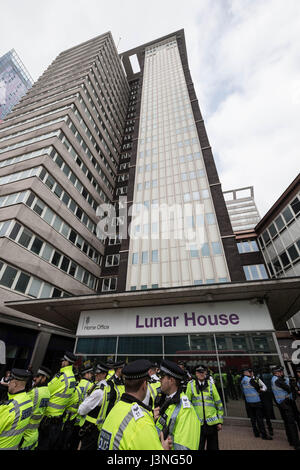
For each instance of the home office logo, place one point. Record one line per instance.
(99, 326)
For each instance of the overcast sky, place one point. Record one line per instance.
(243, 56)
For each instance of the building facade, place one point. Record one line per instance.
(15, 81)
(113, 221)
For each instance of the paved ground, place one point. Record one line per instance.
(233, 437)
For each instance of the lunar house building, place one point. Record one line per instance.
(168, 281)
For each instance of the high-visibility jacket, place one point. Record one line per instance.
(61, 389)
(81, 391)
(97, 416)
(183, 424)
(117, 387)
(15, 414)
(110, 374)
(250, 393)
(129, 426)
(279, 394)
(40, 398)
(154, 389)
(206, 402)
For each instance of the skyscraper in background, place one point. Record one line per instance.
(15, 81)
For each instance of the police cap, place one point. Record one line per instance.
(101, 368)
(172, 369)
(246, 369)
(201, 368)
(86, 369)
(20, 374)
(137, 369)
(70, 357)
(277, 369)
(119, 365)
(44, 371)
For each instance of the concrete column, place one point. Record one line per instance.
(39, 350)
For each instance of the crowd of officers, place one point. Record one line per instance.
(134, 406)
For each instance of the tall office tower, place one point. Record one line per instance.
(59, 155)
(15, 81)
(180, 232)
(242, 208)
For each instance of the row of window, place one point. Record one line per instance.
(20, 175)
(197, 282)
(24, 283)
(285, 260)
(30, 141)
(85, 148)
(47, 214)
(73, 179)
(255, 272)
(280, 223)
(103, 99)
(96, 127)
(97, 130)
(31, 129)
(151, 345)
(247, 246)
(84, 168)
(50, 182)
(35, 118)
(116, 134)
(24, 237)
(25, 156)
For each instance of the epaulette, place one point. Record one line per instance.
(5, 402)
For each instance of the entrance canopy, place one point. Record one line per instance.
(281, 296)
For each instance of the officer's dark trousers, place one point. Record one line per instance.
(49, 434)
(89, 440)
(209, 436)
(255, 413)
(288, 416)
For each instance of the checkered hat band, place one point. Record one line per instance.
(142, 375)
(42, 372)
(171, 373)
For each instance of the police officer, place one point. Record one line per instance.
(15, 413)
(153, 387)
(117, 385)
(130, 424)
(93, 409)
(187, 376)
(72, 421)
(177, 416)
(40, 396)
(208, 405)
(251, 390)
(283, 396)
(61, 389)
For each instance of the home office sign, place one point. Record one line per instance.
(176, 319)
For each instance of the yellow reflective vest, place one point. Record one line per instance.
(81, 392)
(129, 426)
(183, 424)
(40, 398)
(207, 402)
(61, 389)
(15, 415)
(154, 389)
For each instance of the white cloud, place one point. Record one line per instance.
(243, 56)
